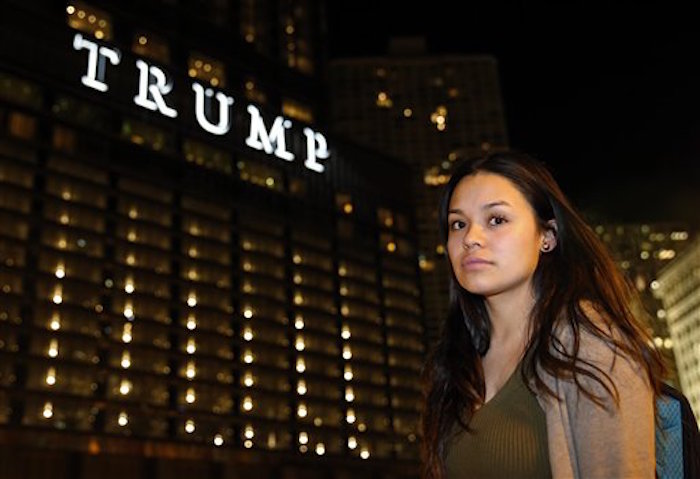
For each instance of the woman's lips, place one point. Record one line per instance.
(475, 263)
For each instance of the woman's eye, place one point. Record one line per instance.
(456, 225)
(497, 220)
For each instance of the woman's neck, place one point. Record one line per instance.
(510, 317)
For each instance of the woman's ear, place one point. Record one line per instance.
(549, 237)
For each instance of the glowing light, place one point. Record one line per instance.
(218, 440)
(247, 334)
(48, 410)
(345, 333)
(248, 379)
(301, 365)
(299, 322)
(53, 348)
(248, 357)
(60, 271)
(303, 438)
(189, 426)
(125, 387)
(352, 442)
(192, 300)
(51, 376)
(247, 403)
(299, 344)
(128, 310)
(349, 394)
(249, 432)
(247, 313)
(58, 295)
(190, 396)
(320, 449)
(348, 372)
(55, 323)
(190, 371)
(129, 286)
(301, 410)
(347, 352)
(364, 453)
(126, 360)
(301, 387)
(123, 419)
(350, 416)
(191, 322)
(126, 334)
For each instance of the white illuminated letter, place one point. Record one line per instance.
(313, 152)
(202, 105)
(260, 139)
(95, 77)
(154, 90)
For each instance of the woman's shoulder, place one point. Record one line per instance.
(595, 332)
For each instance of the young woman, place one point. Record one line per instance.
(541, 369)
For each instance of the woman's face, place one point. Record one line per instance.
(493, 241)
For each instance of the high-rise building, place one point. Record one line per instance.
(642, 251)
(428, 111)
(678, 287)
(197, 279)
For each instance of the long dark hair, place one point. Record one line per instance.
(578, 271)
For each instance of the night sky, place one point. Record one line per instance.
(608, 97)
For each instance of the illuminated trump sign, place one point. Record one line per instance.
(154, 87)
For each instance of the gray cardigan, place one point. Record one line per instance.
(587, 441)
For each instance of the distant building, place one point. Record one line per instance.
(198, 280)
(641, 252)
(428, 111)
(678, 286)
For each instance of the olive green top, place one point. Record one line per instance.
(508, 438)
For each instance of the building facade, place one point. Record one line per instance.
(678, 287)
(641, 252)
(428, 111)
(197, 279)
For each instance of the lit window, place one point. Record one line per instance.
(190, 396)
(189, 426)
(206, 69)
(21, 126)
(253, 92)
(383, 100)
(51, 376)
(439, 117)
(303, 438)
(151, 46)
(126, 360)
(297, 110)
(89, 20)
(52, 352)
(123, 419)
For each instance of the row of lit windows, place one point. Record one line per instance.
(296, 51)
(125, 420)
(82, 193)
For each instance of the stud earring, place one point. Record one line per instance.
(545, 247)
